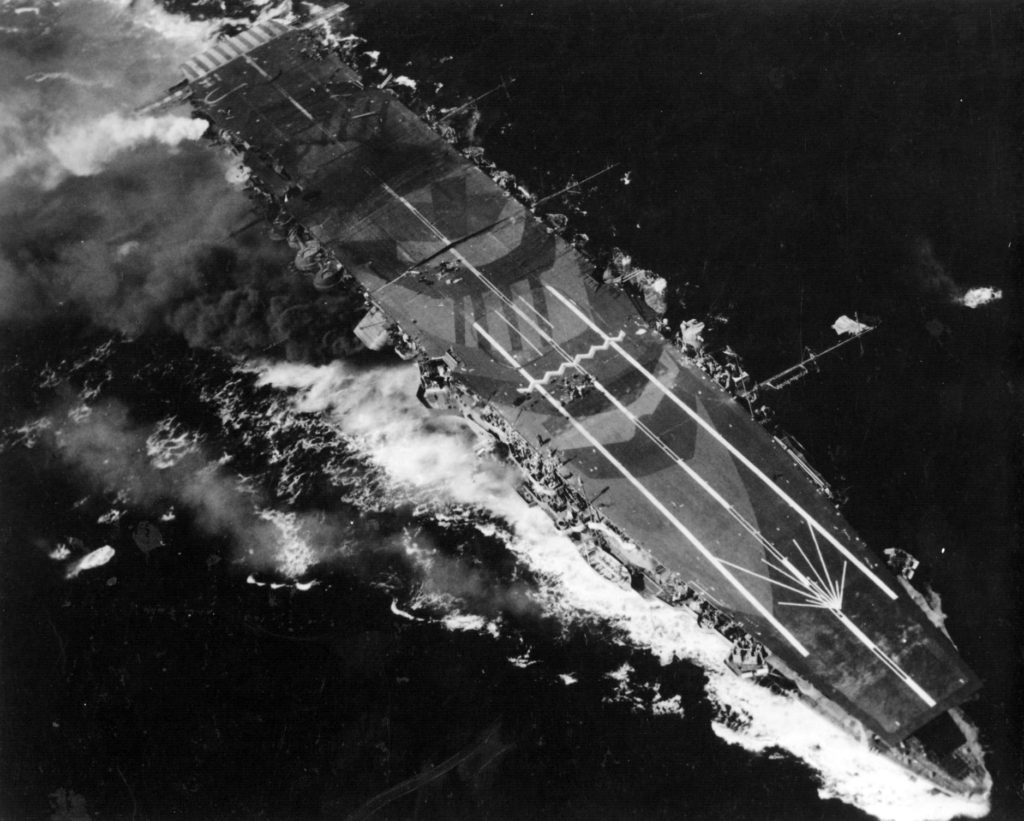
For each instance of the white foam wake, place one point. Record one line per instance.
(376, 411)
(975, 297)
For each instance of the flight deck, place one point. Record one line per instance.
(665, 455)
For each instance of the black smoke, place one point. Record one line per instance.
(125, 221)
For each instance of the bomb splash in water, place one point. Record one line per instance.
(527, 534)
(975, 297)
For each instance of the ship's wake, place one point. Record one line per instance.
(436, 464)
(441, 460)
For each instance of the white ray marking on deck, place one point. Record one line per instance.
(830, 598)
(730, 447)
(825, 594)
(717, 563)
(654, 501)
(613, 343)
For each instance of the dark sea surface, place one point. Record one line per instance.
(787, 163)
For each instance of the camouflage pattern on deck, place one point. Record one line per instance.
(667, 456)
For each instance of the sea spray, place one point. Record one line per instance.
(975, 297)
(375, 410)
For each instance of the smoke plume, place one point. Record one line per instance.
(928, 270)
(132, 224)
(87, 147)
(70, 64)
(933, 276)
(130, 221)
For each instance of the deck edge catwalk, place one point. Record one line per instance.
(643, 449)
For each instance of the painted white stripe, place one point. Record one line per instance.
(705, 592)
(880, 654)
(543, 335)
(828, 597)
(224, 53)
(288, 96)
(483, 279)
(577, 363)
(259, 34)
(522, 336)
(890, 663)
(654, 501)
(857, 632)
(205, 64)
(233, 46)
(247, 39)
(730, 447)
(536, 313)
(426, 222)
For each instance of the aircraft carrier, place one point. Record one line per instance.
(661, 473)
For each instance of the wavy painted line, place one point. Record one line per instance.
(574, 362)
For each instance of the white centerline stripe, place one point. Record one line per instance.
(612, 342)
(655, 502)
(476, 326)
(881, 655)
(569, 361)
(487, 283)
(289, 97)
(537, 313)
(859, 634)
(730, 447)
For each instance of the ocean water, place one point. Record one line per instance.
(317, 590)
